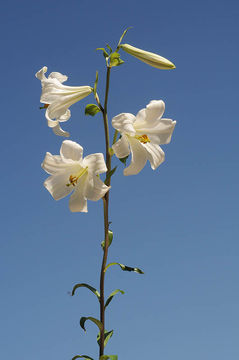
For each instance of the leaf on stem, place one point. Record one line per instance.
(109, 174)
(105, 54)
(111, 357)
(123, 35)
(107, 336)
(110, 234)
(109, 47)
(123, 160)
(125, 268)
(91, 288)
(91, 109)
(112, 295)
(94, 320)
(96, 82)
(82, 357)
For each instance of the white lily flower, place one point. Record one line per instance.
(142, 135)
(71, 172)
(57, 98)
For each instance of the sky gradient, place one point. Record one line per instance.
(178, 223)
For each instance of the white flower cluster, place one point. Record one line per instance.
(141, 136)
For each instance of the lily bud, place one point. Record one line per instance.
(149, 58)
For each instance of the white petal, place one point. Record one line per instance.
(121, 147)
(57, 185)
(155, 155)
(53, 164)
(59, 131)
(96, 163)
(95, 189)
(159, 132)
(78, 202)
(56, 75)
(154, 110)
(124, 123)
(70, 150)
(41, 73)
(139, 157)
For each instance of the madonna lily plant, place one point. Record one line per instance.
(137, 139)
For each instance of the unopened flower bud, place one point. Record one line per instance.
(149, 58)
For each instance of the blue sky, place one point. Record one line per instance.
(179, 223)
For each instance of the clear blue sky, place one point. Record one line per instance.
(179, 224)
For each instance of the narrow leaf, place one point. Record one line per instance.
(110, 173)
(110, 234)
(112, 295)
(123, 35)
(91, 109)
(94, 320)
(110, 49)
(91, 288)
(106, 55)
(107, 336)
(82, 357)
(96, 82)
(123, 160)
(125, 268)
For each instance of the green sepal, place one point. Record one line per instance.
(125, 268)
(94, 320)
(115, 59)
(110, 234)
(112, 295)
(105, 54)
(123, 160)
(111, 357)
(86, 357)
(91, 288)
(107, 336)
(109, 174)
(91, 109)
(96, 82)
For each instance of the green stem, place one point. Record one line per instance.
(106, 215)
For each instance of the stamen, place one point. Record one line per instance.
(142, 138)
(74, 178)
(45, 106)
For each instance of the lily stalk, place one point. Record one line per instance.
(106, 214)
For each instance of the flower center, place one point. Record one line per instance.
(142, 138)
(45, 106)
(74, 178)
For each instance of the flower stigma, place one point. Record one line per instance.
(74, 178)
(142, 138)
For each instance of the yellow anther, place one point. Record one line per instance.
(74, 178)
(142, 138)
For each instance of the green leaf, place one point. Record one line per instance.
(123, 35)
(125, 268)
(96, 82)
(109, 174)
(110, 234)
(105, 54)
(111, 357)
(94, 320)
(82, 357)
(107, 336)
(123, 160)
(112, 295)
(110, 49)
(91, 288)
(91, 109)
